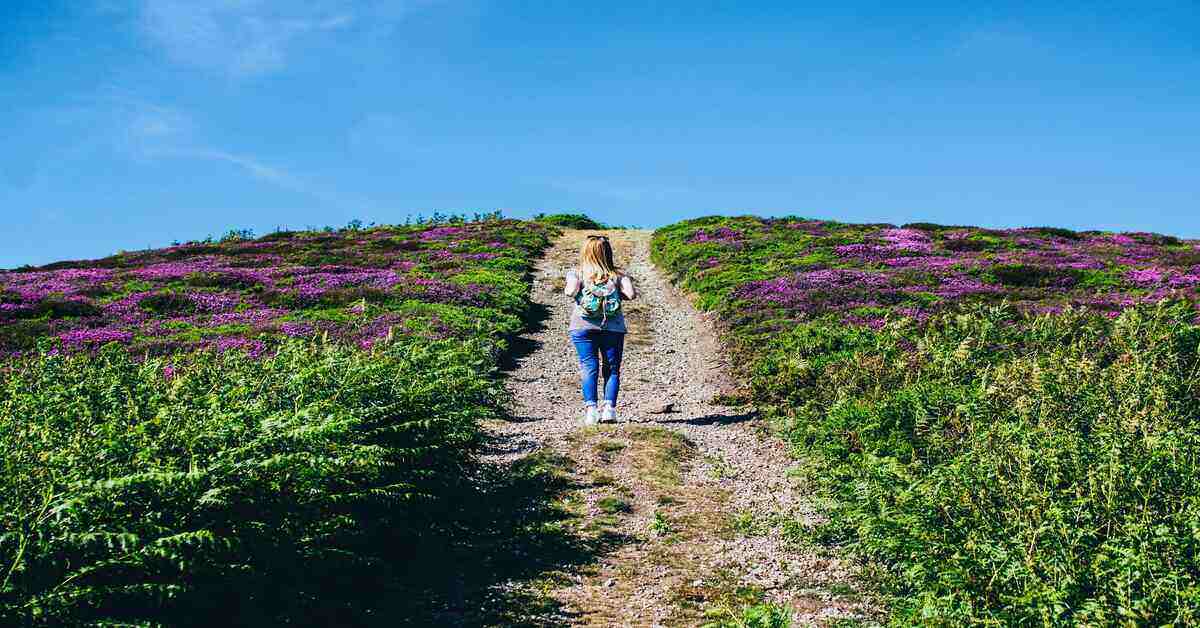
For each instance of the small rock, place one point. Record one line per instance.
(665, 408)
(610, 582)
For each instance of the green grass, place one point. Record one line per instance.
(745, 607)
(609, 446)
(659, 455)
(600, 478)
(613, 505)
(661, 525)
(744, 523)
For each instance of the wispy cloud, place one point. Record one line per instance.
(243, 38)
(146, 125)
(237, 37)
(250, 165)
(132, 127)
(257, 169)
(151, 132)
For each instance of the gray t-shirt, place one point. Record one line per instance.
(614, 323)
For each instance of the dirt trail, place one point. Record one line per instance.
(698, 505)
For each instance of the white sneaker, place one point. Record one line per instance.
(608, 414)
(590, 415)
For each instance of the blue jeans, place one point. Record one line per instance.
(609, 345)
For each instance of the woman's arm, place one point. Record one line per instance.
(572, 285)
(627, 288)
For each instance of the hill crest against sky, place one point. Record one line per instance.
(130, 124)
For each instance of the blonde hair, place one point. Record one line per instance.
(596, 260)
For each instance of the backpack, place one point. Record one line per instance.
(601, 300)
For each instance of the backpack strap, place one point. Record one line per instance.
(614, 290)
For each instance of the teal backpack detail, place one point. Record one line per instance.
(599, 301)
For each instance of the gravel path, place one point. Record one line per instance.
(737, 470)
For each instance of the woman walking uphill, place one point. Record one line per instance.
(598, 326)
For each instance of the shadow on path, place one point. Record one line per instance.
(508, 536)
(522, 346)
(711, 419)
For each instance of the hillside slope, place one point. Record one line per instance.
(353, 285)
(271, 432)
(1004, 421)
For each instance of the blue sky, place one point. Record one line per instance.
(130, 124)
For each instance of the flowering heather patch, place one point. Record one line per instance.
(355, 285)
(176, 446)
(778, 269)
(1002, 422)
(721, 235)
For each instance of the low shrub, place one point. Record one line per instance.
(1008, 470)
(570, 221)
(62, 308)
(1010, 431)
(216, 487)
(168, 304)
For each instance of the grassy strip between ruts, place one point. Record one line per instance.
(640, 471)
(292, 486)
(1006, 466)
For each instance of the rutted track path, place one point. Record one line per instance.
(697, 501)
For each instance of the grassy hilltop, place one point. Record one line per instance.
(1005, 422)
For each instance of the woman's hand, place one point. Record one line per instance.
(628, 290)
(572, 285)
